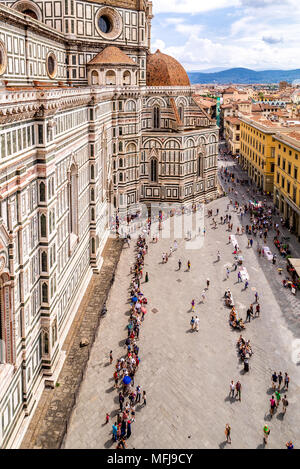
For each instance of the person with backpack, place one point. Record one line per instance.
(192, 323)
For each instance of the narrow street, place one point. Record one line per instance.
(289, 304)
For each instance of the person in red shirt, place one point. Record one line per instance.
(273, 405)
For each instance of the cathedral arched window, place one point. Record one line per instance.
(73, 200)
(153, 170)
(29, 8)
(92, 172)
(45, 293)
(43, 222)
(95, 77)
(110, 78)
(120, 146)
(181, 113)
(42, 192)
(127, 78)
(44, 262)
(156, 118)
(30, 13)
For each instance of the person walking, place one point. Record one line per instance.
(144, 398)
(116, 378)
(147, 277)
(238, 388)
(251, 242)
(192, 323)
(278, 398)
(114, 431)
(289, 445)
(138, 393)
(189, 266)
(285, 403)
(193, 305)
(179, 264)
(203, 296)
(197, 323)
(256, 297)
(280, 378)
(248, 315)
(257, 310)
(227, 432)
(110, 357)
(207, 283)
(266, 431)
(239, 277)
(232, 389)
(286, 381)
(272, 406)
(218, 255)
(128, 434)
(227, 273)
(246, 284)
(123, 428)
(274, 380)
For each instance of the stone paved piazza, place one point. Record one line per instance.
(187, 375)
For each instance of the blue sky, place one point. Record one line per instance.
(205, 34)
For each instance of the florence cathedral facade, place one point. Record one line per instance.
(89, 118)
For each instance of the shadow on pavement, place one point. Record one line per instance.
(223, 444)
(109, 443)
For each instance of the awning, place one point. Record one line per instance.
(295, 263)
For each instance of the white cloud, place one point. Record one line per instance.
(173, 20)
(189, 29)
(191, 6)
(158, 44)
(259, 34)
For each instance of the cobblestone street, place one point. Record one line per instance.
(187, 374)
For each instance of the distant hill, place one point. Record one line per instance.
(244, 76)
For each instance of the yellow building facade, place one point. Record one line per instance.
(257, 153)
(287, 177)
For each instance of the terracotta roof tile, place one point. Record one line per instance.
(112, 55)
(163, 70)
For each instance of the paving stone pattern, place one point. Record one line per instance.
(187, 374)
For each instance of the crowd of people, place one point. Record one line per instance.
(262, 222)
(127, 366)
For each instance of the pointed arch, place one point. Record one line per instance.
(153, 170)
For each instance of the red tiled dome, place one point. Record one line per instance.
(163, 70)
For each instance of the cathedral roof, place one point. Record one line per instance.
(112, 55)
(163, 70)
(132, 4)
